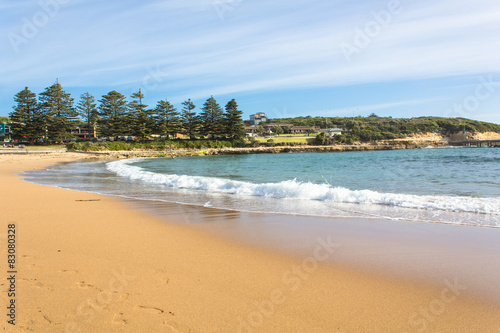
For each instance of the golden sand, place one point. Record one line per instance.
(89, 263)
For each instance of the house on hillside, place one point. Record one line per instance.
(334, 131)
(269, 127)
(300, 129)
(251, 129)
(257, 118)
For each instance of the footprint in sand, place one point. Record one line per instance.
(160, 277)
(176, 327)
(161, 282)
(122, 296)
(38, 284)
(118, 319)
(84, 285)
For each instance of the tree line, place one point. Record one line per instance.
(54, 114)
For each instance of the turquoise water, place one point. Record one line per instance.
(451, 185)
(463, 172)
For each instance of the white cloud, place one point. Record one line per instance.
(256, 46)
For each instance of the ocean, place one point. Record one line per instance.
(445, 185)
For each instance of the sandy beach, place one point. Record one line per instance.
(91, 263)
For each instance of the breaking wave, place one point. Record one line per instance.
(293, 189)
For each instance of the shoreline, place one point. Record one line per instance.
(258, 150)
(415, 141)
(137, 153)
(90, 262)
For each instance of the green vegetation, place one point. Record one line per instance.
(166, 119)
(158, 145)
(233, 123)
(190, 121)
(53, 117)
(57, 112)
(211, 118)
(140, 116)
(374, 128)
(87, 110)
(27, 121)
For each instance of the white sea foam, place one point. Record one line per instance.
(293, 189)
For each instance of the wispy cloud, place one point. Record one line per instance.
(258, 47)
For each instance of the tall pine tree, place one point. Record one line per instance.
(87, 109)
(143, 121)
(113, 115)
(211, 118)
(56, 107)
(235, 128)
(166, 118)
(190, 121)
(26, 119)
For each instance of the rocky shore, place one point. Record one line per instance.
(424, 140)
(383, 145)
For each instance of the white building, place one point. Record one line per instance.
(334, 131)
(257, 118)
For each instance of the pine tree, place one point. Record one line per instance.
(113, 115)
(87, 109)
(56, 107)
(26, 119)
(212, 118)
(235, 128)
(190, 121)
(142, 116)
(167, 119)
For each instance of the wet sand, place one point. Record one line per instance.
(429, 252)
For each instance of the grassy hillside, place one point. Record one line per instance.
(374, 128)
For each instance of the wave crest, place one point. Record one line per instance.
(293, 189)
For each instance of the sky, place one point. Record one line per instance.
(336, 58)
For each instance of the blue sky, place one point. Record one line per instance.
(289, 58)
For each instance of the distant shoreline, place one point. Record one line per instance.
(264, 150)
(224, 151)
(397, 144)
